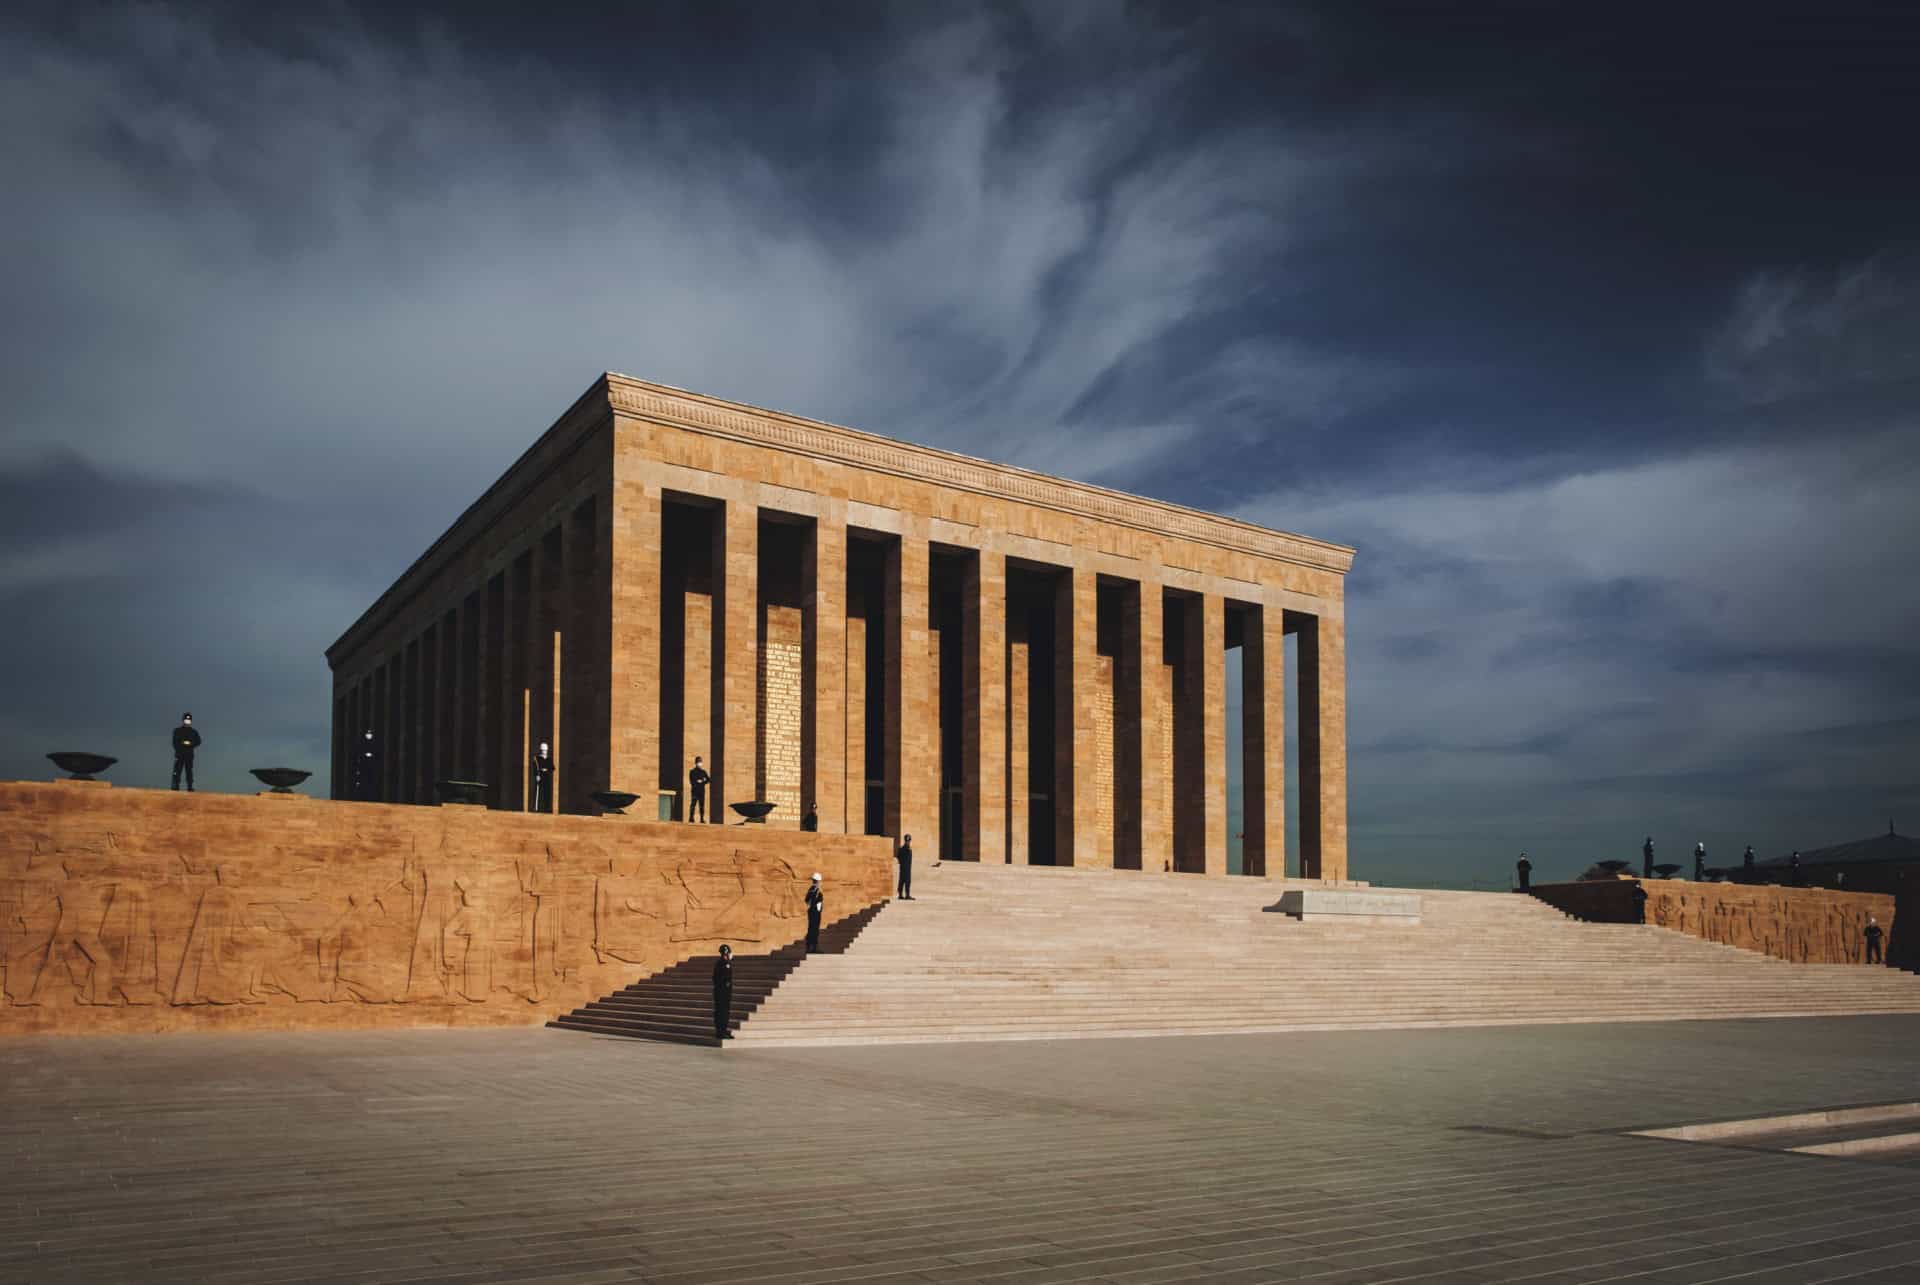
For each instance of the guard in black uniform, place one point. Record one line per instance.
(541, 767)
(1793, 868)
(697, 791)
(186, 739)
(1699, 862)
(811, 821)
(905, 857)
(723, 993)
(1525, 867)
(816, 905)
(1639, 903)
(1646, 853)
(1873, 935)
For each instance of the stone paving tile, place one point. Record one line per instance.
(1333, 1157)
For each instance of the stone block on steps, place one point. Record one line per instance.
(1342, 906)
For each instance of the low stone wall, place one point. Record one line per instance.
(1804, 925)
(145, 910)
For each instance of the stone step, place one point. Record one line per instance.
(994, 953)
(676, 1004)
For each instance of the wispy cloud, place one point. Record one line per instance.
(281, 300)
(350, 276)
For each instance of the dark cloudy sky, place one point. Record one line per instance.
(1595, 328)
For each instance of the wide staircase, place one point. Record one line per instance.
(676, 1004)
(1006, 953)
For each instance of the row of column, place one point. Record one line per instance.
(470, 692)
(1170, 800)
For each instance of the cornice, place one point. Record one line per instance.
(698, 413)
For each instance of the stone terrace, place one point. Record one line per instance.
(1458, 1155)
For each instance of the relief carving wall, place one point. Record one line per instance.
(1803, 925)
(142, 910)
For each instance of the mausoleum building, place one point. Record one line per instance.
(1010, 667)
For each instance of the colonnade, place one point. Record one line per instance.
(464, 692)
(1000, 699)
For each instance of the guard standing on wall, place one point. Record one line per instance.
(811, 821)
(816, 906)
(722, 993)
(697, 791)
(1699, 862)
(1646, 855)
(542, 771)
(1525, 867)
(904, 855)
(186, 739)
(1873, 935)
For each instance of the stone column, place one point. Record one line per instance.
(586, 670)
(633, 534)
(344, 737)
(336, 752)
(509, 757)
(1019, 736)
(913, 759)
(824, 717)
(1075, 693)
(480, 753)
(1323, 747)
(383, 729)
(395, 713)
(984, 708)
(448, 711)
(855, 727)
(1263, 742)
(429, 708)
(463, 696)
(1156, 724)
(1125, 731)
(700, 673)
(736, 601)
(1213, 668)
(543, 675)
(416, 722)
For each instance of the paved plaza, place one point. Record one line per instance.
(1492, 1154)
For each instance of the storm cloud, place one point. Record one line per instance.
(1600, 340)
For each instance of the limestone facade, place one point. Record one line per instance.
(1007, 666)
